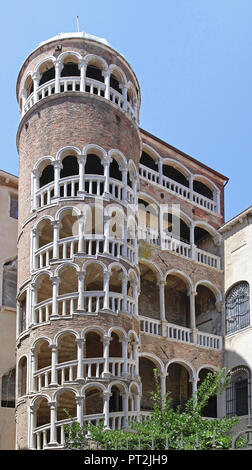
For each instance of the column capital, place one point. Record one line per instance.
(55, 223)
(106, 394)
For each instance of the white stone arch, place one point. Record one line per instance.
(172, 209)
(131, 87)
(61, 58)
(210, 367)
(40, 274)
(117, 264)
(118, 156)
(38, 397)
(96, 385)
(75, 211)
(178, 166)
(64, 265)
(96, 59)
(205, 180)
(95, 329)
(97, 150)
(113, 68)
(94, 261)
(153, 358)
(184, 363)
(41, 338)
(132, 170)
(182, 275)
(134, 384)
(212, 287)
(50, 58)
(211, 230)
(41, 164)
(29, 74)
(154, 267)
(119, 383)
(63, 389)
(63, 332)
(114, 329)
(149, 198)
(66, 151)
(43, 217)
(151, 152)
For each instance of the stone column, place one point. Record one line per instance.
(81, 221)
(53, 416)
(32, 426)
(106, 341)
(160, 171)
(125, 398)
(83, 68)
(55, 285)
(107, 84)
(34, 248)
(81, 278)
(163, 387)
(79, 403)
(106, 220)
(80, 375)
(124, 342)
(124, 93)
(33, 366)
(106, 277)
(192, 295)
(106, 397)
(82, 162)
(190, 179)
(106, 165)
(54, 380)
(135, 346)
(57, 166)
(35, 185)
(134, 285)
(124, 279)
(56, 226)
(124, 172)
(36, 77)
(33, 302)
(58, 68)
(162, 285)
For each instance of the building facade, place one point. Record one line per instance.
(237, 244)
(120, 268)
(8, 286)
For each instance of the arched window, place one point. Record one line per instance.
(237, 307)
(10, 284)
(238, 393)
(8, 389)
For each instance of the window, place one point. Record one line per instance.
(237, 307)
(8, 389)
(238, 393)
(14, 206)
(10, 284)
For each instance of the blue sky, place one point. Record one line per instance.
(193, 61)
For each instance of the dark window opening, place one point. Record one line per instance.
(114, 83)
(70, 69)
(238, 395)
(114, 171)
(48, 75)
(14, 206)
(95, 73)
(93, 165)
(177, 228)
(47, 176)
(202, 189)
(146, 160)
(115, 402)
(70, 167)
(8, 389)
(10, 284)
(175, 175)
(22, 315)
(237, 308)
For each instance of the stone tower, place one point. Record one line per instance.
(88, 337)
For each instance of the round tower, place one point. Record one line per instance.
(78, 279)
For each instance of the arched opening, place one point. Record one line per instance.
(93, 166)
(70, 167)
(115, 345)
(176, 227)
(116, 81)
(95, 72)
(94, 288)
(114, 170)
(149, 294)
(93, 403)
(202, 189)
(42, 414)
(146, 372)
(93, 345)
(207, 317)
(68, 280)
(115, 286)
(47, 72)
(210, 410)
(44, 288)
(65, 401)
(22, 376)
(115, 401)
(8, 389)
(148, 161)
(9, 286)
(43, 355)
(178, 385)
(204, 241)
(44, 233)
(70, 67)
(28, 86)
(93, 226)
(237, 307)
(148, 220)
(177, 304)
(174, 174)
(238, 392)
(67, 352)
(47, 175)
(22, 312)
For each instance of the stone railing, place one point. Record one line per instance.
(180, 334)
(181, 190)
(92, 86)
